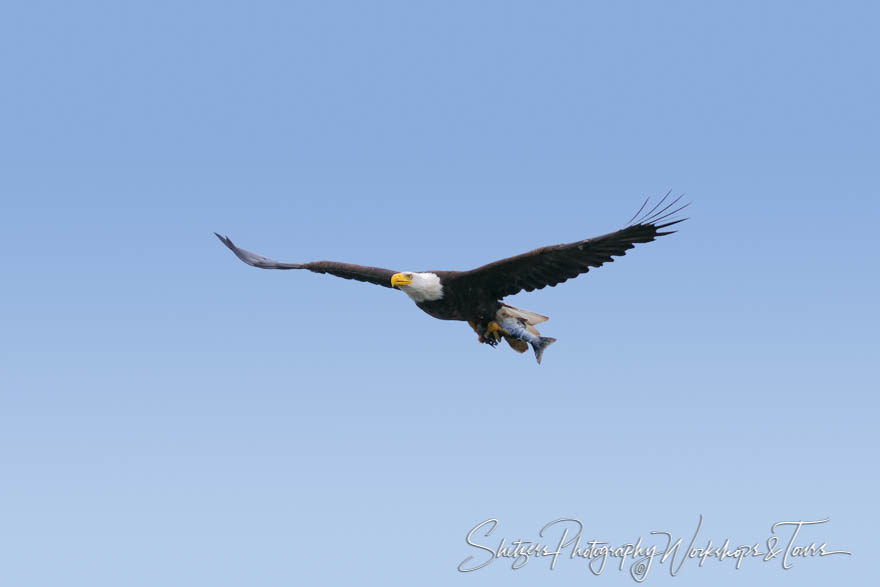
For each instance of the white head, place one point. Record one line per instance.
(420, 287)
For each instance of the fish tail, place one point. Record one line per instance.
(541, 346)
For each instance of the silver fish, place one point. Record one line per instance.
(518, 328)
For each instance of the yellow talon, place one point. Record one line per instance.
(495, 331)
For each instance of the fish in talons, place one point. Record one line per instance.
(517, 327)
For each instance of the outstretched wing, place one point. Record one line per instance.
(375, 275)
(556, 264)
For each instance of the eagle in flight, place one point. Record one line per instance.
(475, 296)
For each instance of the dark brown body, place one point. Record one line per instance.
(460, 302)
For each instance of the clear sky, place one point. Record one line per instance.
(170, 416)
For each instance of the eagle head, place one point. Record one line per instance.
(420, 287)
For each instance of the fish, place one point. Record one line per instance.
(519, 328)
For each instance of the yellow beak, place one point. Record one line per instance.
(399, 279)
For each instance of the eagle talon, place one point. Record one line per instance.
(492, 334)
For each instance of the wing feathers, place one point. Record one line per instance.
(375, 275)
(537, 269)
(254, 259)
(550, 266)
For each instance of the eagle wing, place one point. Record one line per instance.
(555, 264)
(375, 275)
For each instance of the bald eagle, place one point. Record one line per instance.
(475, 296)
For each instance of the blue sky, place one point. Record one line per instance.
(171, 416)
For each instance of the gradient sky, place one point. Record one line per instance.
(170, 416)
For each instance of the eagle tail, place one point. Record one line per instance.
(531, 318)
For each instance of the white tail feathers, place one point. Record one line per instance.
(530, 317)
